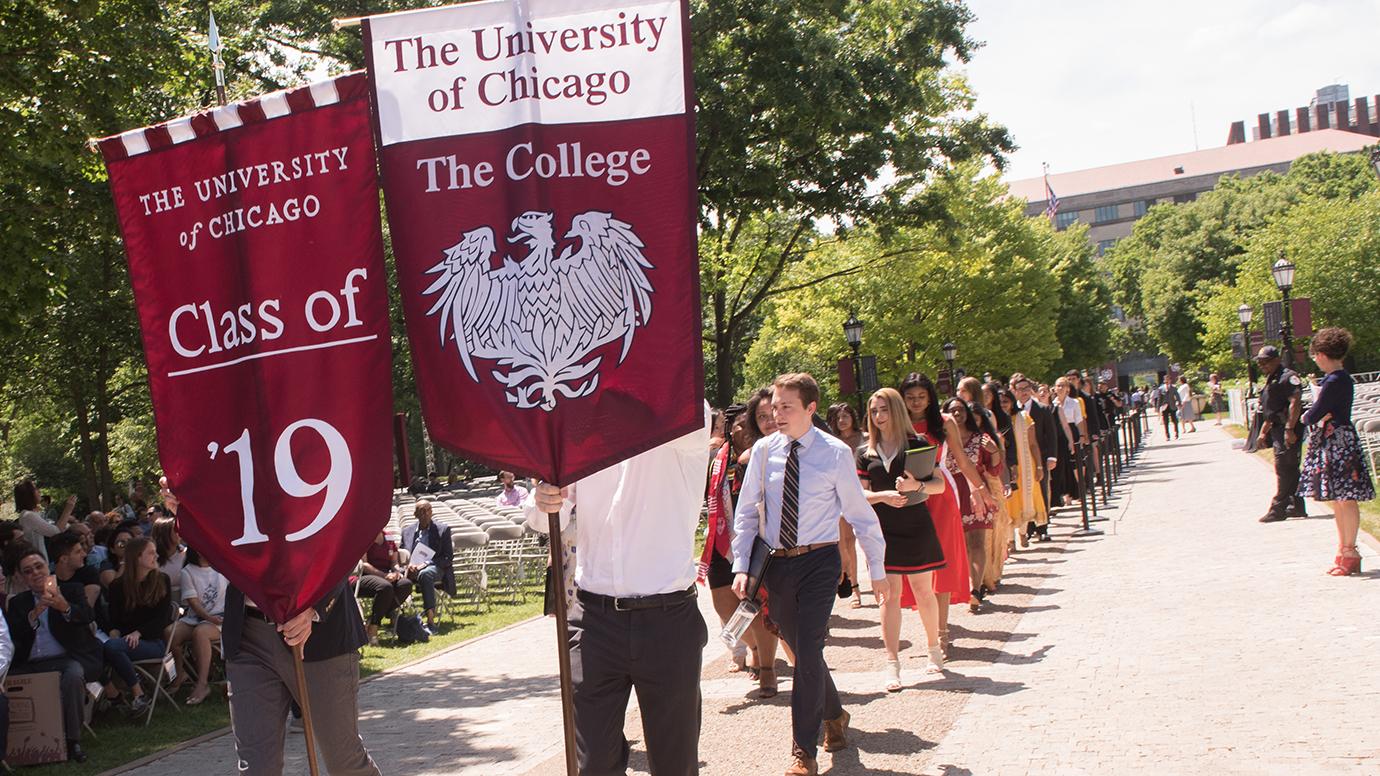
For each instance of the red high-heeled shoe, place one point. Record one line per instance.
(1345, 565)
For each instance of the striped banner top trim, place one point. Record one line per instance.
(262, 108)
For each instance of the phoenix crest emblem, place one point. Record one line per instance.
(541, 317)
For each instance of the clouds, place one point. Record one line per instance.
(1083, 83)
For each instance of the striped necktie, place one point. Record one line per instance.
(790, 498)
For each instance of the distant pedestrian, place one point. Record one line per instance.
(1217, 396)
(1166, 400)
(1281, 407)
(1335, 469)
(1188, 413)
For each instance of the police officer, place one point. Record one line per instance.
(1281, 404)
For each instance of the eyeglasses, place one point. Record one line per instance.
(121, 542)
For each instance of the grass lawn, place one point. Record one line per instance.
(119, 740)
(1370, 510)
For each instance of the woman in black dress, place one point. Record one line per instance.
(913, 551)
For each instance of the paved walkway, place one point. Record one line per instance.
(1187, 639)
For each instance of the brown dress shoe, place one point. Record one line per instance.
(835, 731)
(802, 765)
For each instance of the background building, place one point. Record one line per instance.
(1110, 199)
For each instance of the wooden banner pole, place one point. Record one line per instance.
(562, 642)
(308, 731)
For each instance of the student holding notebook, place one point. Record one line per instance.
(913, 550)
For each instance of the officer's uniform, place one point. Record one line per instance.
(1280, 388)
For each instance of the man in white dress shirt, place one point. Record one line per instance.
(636, 624)
(810, 479)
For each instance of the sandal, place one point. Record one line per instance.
(936, 665)
(1346, 563)
(197, 696)
(766, 683)
(893, 672)
(753, 671)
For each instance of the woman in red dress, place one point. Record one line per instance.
(951, 583)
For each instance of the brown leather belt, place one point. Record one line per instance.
(796, 552)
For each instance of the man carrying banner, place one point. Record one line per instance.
(809, 479)
(263, 683)
(636, 625)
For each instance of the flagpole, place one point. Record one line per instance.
(553, 528)
(213, 43)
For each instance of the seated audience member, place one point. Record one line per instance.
(115, 553)
(382, 578)
(37, 529)
(512, 495)
(433, 482)
(69, 565)
(141, 609)
(51, 627)
(97, 553)
(171, 556)
(97, 520)
(438, 569)
(203, 590)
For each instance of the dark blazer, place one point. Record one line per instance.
(73, 632)
(1046, 431)
(445, 554)
(1093, 411)
(340, 629)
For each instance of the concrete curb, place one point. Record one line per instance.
(214, 734)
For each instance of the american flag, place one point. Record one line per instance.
(1051, 199)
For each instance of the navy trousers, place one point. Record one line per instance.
(801, 593)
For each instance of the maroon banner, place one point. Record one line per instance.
(537, 163)
(255, 253)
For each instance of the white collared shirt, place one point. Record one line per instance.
(829, 487)
(636, 520)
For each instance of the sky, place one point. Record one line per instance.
(1085, 83)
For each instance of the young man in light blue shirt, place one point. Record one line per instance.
(808, 480)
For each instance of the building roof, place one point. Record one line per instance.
(1241, 156)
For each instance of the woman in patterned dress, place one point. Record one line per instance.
(1334, 468)
(968, 444)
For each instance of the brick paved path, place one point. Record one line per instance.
(1188, 639)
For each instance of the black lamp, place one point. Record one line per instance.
(1283, 270)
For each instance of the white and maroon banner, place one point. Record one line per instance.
(255, 253)
(538, 165)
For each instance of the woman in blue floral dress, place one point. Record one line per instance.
(1334, 468)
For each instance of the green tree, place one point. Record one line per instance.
(801, 106)
(980, 277)
(1084, 324)
(1333, 244)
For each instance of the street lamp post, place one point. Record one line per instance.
(852, 331)
(950, 353)
(1244, 314)
(1283, 270)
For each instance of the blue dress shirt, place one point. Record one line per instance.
(829, 487)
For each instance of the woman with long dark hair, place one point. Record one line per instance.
(140, 611)
(969, 443)
(913, 551)
(951, 583)
(761, 639)
(843, 423)
(1026, 504)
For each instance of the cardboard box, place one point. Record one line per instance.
(36, 735)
